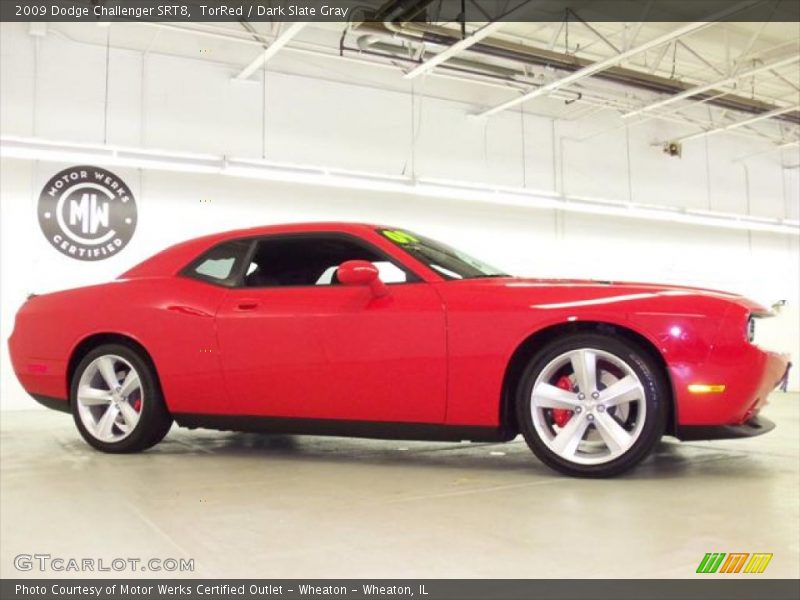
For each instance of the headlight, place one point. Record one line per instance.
(751, 329)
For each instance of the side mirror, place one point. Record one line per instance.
(361, 272)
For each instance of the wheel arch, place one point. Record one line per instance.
(530, 345)
(94, 340)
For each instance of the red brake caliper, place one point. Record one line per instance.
(137, 405)
(562, 415)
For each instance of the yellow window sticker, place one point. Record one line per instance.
(399, 237)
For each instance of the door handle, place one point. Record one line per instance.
(247, 305)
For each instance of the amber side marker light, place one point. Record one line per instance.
(704, 388)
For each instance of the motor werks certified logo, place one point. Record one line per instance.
(87, 213)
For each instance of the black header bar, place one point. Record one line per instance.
(476, 11)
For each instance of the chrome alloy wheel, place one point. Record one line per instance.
(588, 406)
(110, 398)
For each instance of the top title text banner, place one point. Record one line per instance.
(440, 11)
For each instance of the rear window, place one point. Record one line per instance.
(221, 265)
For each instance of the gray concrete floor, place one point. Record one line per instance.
(244, 505)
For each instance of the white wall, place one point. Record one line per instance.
(58, 91)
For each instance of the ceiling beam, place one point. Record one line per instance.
(615, 60)
(451, 51)
(642, 20)
(279, 42)
(596, 67)
(659, 57)
(713, 85)
(736, 124)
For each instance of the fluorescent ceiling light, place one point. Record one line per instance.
(38, 149)
(310, 175)
(184, 162)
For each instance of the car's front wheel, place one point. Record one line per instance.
(592, 405)
(116, 400)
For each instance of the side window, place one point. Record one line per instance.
(221, 264)
(308, 260)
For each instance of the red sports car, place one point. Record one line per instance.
(361, 330)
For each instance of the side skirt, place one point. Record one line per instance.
(755, 426)
(336, 427)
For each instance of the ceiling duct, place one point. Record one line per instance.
(428, 34)
(370, 44)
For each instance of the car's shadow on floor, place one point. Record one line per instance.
(669, 460)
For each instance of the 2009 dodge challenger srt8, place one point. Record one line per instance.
(360, 330)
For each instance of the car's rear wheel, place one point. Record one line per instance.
(117, 402)
(592, 405)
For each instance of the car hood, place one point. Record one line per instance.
(565, 293)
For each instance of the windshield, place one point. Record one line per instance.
(447, 261)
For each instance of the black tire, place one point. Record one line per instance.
(656, 399)
(154, 420)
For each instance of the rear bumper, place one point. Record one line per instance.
(755, 426)
(32, 360)
(52, 403)
(42, 378)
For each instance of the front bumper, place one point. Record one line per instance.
(755, 426)
(749, 375)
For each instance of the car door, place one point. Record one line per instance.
(293, 343)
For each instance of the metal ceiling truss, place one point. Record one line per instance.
(741, 123)
(700, 89)
(414, 20)
(595, 67)
(525, 56)
(409, 39)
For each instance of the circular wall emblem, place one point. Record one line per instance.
(87, 213)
